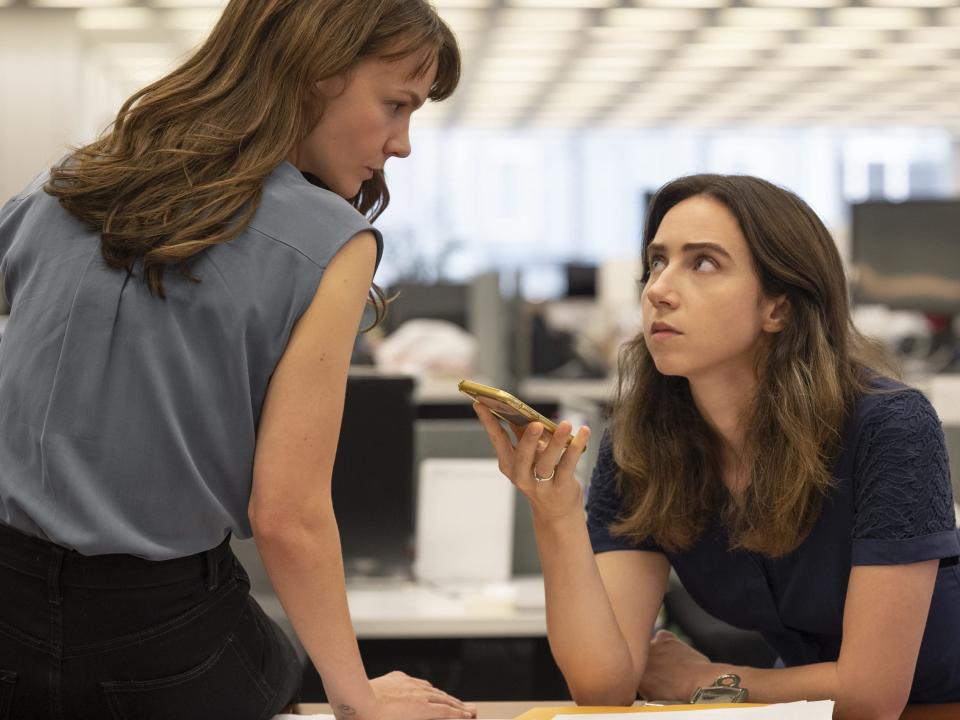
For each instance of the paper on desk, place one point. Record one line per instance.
(803, 710)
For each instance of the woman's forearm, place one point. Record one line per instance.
(305, 565)
(818, 681)
(584, 636)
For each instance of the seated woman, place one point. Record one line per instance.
(758, 446)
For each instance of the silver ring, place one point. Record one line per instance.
(548, 478)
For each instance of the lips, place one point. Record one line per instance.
(662, 327)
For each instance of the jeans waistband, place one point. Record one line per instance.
(39, 558)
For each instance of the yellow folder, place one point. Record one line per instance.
(547, 713)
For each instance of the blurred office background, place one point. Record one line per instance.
(514, 234)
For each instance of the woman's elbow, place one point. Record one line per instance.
(860, 705)
(603, 691)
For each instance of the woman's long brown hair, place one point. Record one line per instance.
(808, 375)
(183, 165)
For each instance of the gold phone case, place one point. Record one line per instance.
(505, 406)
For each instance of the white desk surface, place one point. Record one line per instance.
(401, 609)
(404, 609)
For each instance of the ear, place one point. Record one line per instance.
(776, 313)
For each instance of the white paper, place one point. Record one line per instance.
(464, 521)
(803, 710)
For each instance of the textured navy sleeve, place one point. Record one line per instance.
(903, 498)
(605, 506)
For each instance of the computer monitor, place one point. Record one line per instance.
(373, 475)
(433, 301)
(907, 255)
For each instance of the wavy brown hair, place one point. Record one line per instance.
(809, 375)
(183, 165)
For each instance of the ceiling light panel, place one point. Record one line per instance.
(814, 55)
(542, 19)
(696, 55)
(893, 18)
(654, 18)
(585, 4)
(740, 37)
(851, 37)
(943, 36)
(79, 3)
(911, 3)
(808, 4)
(126, 18)
(189, 3)
(689, 4)
(464, 19)
(791, 18)
(949, 17)
(196, 19)
(443, 5)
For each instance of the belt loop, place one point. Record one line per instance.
(210, 556)
(53, 575)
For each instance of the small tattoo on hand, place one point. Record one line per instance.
(346, 710)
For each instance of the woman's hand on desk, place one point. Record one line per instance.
(544, 455)
(674, 669)
(402, 697)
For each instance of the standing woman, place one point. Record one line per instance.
(757, 448)
(185, 293)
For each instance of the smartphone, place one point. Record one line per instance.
(505, 406)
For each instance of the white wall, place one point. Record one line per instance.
(956, 163)
(40, 79)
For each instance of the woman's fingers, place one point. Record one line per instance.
(498, 436)
(571, 455)
(553, 450)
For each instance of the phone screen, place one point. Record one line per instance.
(503, 410)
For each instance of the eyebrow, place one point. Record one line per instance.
(690, 247)
(414, 98)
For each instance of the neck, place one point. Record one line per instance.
(722, 399)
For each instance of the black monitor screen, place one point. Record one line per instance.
(373, 475)
(907, 255)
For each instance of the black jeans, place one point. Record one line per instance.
(116, 636)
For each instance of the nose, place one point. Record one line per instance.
(660, 291)
(399, 144)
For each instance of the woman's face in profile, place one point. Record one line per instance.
(703, 309)
(365, 122)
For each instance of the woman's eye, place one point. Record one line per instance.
(705, 262)
(656, 263)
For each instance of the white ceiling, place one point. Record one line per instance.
(632, 63)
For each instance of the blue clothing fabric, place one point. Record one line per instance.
(892, 503)
(128, 422)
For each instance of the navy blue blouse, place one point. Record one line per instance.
(892, 504)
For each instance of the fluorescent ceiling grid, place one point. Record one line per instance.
(623, 63)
